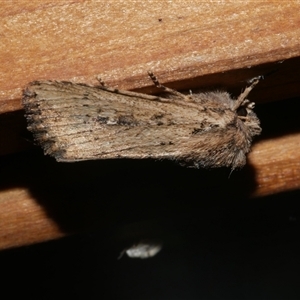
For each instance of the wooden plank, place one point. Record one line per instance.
(181, 41)
(277, 164)
(23, 221)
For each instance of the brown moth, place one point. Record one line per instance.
(74, 122)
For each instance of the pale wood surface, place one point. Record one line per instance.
(23, 221)
(279, 164)
(188, 44)
(121, 40)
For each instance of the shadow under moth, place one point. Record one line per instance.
(74, 122)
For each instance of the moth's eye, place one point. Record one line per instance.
(241, 111)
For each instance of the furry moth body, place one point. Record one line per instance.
(74, 122)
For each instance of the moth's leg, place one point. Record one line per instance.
(248, 104)
(241, 100)
(166, 89)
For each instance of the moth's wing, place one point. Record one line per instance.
(78, 122)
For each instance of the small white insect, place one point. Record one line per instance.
(144, 249)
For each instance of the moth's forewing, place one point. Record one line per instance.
(78, 122)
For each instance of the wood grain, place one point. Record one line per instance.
(178, 40)
(23, 221)
(279, 164)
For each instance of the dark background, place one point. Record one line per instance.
(247, 252)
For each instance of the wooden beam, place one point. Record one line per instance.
(181, 41)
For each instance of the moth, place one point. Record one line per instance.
(75, 122)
